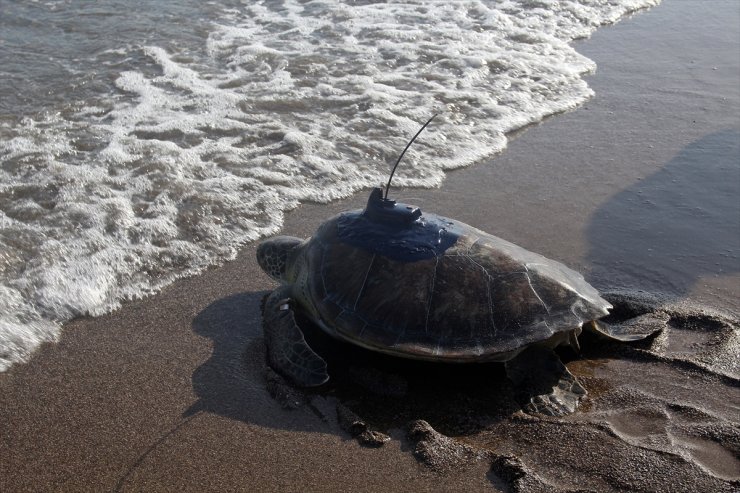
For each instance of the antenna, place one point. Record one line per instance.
(388, 186)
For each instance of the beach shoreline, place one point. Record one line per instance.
(168, 393)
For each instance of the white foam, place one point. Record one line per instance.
(297, 102)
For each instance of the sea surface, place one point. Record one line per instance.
(144, 141)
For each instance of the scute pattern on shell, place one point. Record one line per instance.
(482, 298)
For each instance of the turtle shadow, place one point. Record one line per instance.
(679, 225)
(223, 384)
(231, 383)
(387, 392)
(390, 392)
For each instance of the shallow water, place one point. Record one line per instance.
(140, 143)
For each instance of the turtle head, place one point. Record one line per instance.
(275, 255)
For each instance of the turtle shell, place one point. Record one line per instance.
(437, 289)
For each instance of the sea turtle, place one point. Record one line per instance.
(422, 286)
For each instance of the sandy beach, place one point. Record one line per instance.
(637, 189)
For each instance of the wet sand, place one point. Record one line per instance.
(172, 393)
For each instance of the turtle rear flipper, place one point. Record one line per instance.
(288, 353)
(633, 329)
(543, 382)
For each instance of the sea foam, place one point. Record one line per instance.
(294, 101)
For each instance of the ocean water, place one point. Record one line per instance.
(144, 141)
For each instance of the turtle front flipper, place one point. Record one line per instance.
(288, 353)
(544, 383)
